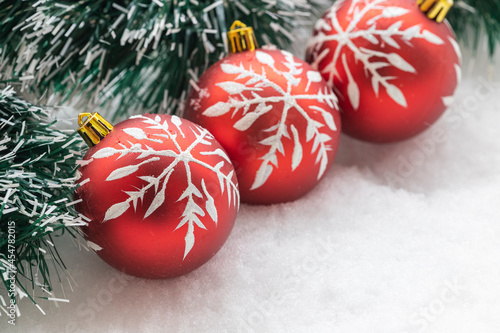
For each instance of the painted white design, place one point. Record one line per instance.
(254, 81)
(448, 100)
(182, 159)
(93, 246)
(456, 47)
(372, 59)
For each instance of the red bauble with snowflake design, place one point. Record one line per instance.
(161, 195)
(276, 118)
(395, 71)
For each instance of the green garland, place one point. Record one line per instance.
(471, 18)
(146, 52)
(37, 167)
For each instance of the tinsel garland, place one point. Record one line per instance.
(148, 53)
(471, 18)
(145, 52)
(37, 167)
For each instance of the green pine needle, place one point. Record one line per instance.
(146, 54)
(37, 167)
(471, 18)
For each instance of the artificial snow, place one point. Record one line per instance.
(396, 238)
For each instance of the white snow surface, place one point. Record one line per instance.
(395, 238)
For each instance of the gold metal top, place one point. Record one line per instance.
(435, 9)
(241, 38)
(94, 128)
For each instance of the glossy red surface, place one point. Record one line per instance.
(289, 95)
(153, 245)
(389, 45)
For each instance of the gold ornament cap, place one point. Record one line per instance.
(94, 128)
(435, 9)
(241, 38)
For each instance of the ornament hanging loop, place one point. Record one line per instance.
(435, 9)
(241, 38)
(94, 128)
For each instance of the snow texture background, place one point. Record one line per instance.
(396, 238)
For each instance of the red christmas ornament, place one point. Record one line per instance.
(276, 118)
(395, 71)
(160, 193)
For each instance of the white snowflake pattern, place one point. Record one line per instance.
(182, 159)
(251, 82)
(374, 35)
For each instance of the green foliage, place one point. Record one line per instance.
(37, 165)
(471, 18)
(146, 52)
(143, 51)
